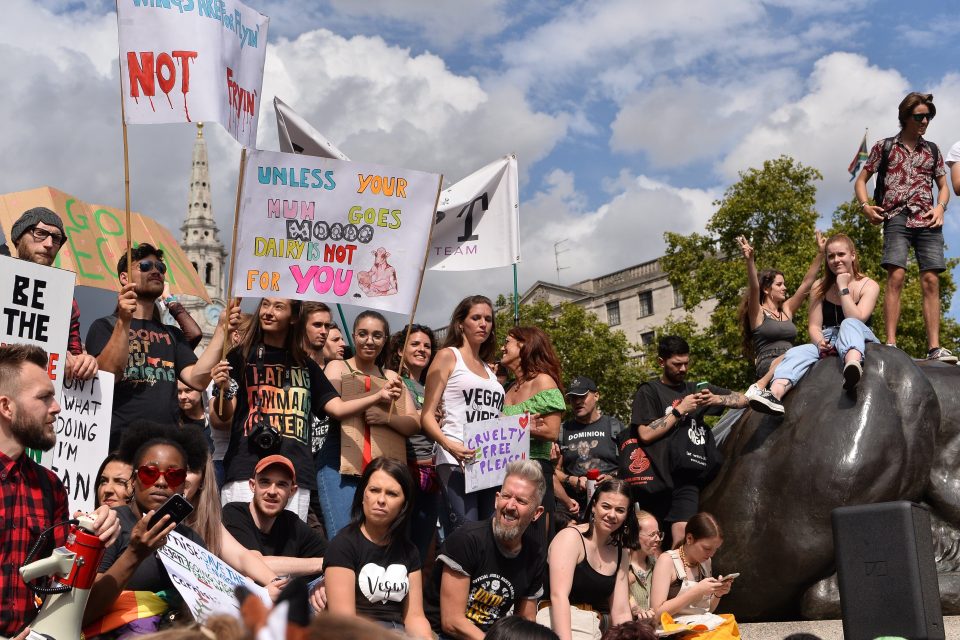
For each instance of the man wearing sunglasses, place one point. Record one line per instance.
(37, 236)
(147, 356)
(32, 498)
(910, 165)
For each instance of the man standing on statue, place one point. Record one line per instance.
(907, 166)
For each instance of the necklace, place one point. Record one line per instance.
(778, 312)
(683, 559)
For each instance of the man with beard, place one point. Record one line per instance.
(37, 236)
(486, 569)
(32, 498)
(147, 356)
(265, 526)
(668, 416)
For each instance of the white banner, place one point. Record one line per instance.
(478, 220)
(205, 581)
(192, 60)
(297, 136)
(35, 306)
(484, 205)
(320, 229)
(497, 443)
(83, 438)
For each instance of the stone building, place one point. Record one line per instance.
(634, 300)
(200, 240)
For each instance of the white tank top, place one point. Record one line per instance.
(467, 398)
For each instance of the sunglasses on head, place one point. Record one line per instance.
(150, 473)
(918, 117)
(146, 265)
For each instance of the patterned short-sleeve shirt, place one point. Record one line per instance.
(910, 179)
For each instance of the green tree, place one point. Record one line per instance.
(774, 208)
(585, 346)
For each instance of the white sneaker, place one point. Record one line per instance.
(753, 391)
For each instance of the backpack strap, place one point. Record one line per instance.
(936, 158)
(881, 188)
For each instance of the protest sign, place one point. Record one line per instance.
(96, 238)
(83, 437)
(314, 228)
(361, 442)
(478, 220)
(205, 581)
(35, 306)
(298, 136)
(497, 442)
(205, 58)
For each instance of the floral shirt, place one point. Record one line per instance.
(910, 178)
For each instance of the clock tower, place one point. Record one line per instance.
(200, 240)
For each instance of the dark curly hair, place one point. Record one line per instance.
(143, 434)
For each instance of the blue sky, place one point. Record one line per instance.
(629, 118)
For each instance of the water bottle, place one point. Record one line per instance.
(592, 476)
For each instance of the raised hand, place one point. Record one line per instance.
(745, 247)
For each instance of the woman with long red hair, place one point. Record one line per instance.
(529, 355)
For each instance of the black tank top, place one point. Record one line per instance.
(590, 586)
(833, 315)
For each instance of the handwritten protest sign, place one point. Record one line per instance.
(339, 232)
(83, 437)
(497, 442)
(96, 238)
(187, 61)
(205, 581)
(35, 305)
(478, 220)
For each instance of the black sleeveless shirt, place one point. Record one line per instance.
(833, 315)
(590, 586)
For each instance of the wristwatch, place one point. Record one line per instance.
(845, 291)
(672, 411)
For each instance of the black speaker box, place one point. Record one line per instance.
(886, 572)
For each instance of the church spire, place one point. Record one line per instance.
(200, 238)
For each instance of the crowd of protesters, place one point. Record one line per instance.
(598, 533)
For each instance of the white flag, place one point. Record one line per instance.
(187, 62)
(478, 222)
(297, 136)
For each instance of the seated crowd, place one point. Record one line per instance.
(593, 533)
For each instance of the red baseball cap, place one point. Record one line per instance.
(269, 461)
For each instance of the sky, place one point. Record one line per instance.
(629, 118)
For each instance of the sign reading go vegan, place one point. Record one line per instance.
(96, 238)
(314, 228)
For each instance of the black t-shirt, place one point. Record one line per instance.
(275, 391)
(497, 582)
(289, 536)
(653, 398)
(590, 446)
(150, 575)
(382, 573)
(148, 387)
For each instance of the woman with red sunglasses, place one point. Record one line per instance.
(160, 462)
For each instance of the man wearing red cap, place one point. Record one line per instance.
(285, 542)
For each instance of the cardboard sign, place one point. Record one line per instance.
(359, 442)
(97, 237)
(83, 438)
(186, 61)
(205, 581)
(35, 306)
(337, 232)
(497, 442)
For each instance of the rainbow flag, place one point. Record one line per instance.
(129, 608)
(862, 155)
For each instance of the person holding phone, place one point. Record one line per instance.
(160, 462)
(766, 315)
(683, 583)
(840, 314)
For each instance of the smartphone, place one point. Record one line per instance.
(729, 577)
(176, 506)
(702, 385)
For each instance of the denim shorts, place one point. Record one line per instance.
(927, 244)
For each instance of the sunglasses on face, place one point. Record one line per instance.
(150, 473)
(918, 117)
(41, 235)
(147, 265)
(325, 325)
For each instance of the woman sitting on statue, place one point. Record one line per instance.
(840, 312)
